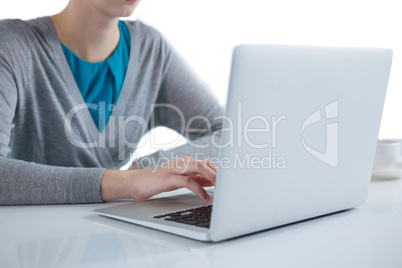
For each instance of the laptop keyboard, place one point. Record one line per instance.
(200, 216)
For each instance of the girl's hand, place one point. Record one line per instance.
(141, 184)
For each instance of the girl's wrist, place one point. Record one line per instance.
(115, 184)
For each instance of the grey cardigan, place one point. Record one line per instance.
(50, 149)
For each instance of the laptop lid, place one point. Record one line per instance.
(300, 134)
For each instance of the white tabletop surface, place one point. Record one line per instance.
(73, 236)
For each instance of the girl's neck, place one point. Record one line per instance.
(87, 32)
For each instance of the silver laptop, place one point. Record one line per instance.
(298, 141)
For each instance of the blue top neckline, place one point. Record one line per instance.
(111, 56)
(100, 83)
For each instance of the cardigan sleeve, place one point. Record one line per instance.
(23, 182)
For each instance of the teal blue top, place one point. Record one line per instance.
(100, 83)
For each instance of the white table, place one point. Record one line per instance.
(73, 236)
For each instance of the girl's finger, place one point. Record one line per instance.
(180, 181)
(192, 166)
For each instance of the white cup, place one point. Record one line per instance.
(387, 153)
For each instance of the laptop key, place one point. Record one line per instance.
(187, 222)
(173, 214)
(181, 217)
(203, 224)
(182, 211)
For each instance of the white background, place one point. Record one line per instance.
(204, 32)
